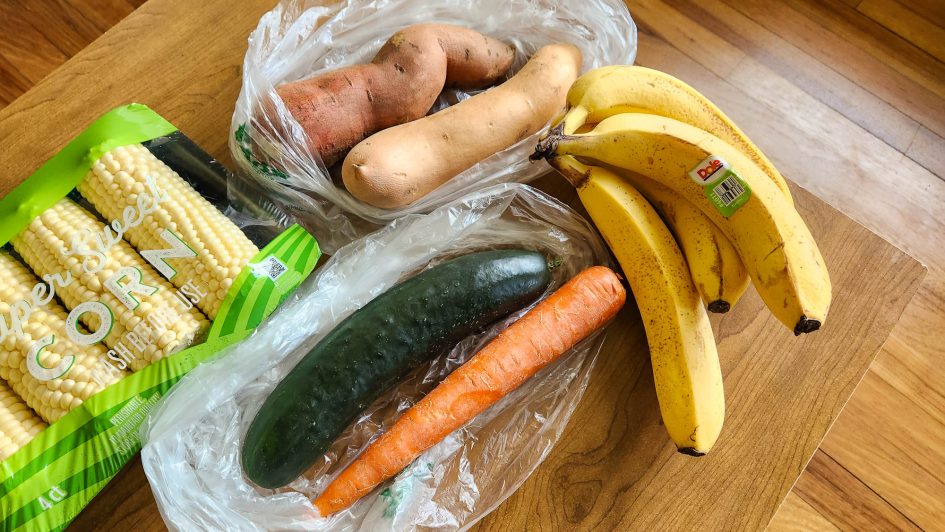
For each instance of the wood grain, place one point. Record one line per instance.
(27, 49)
(930, 10)
(858, 98)
(850, 173)
(127, 504)
(894, 449)
(911, 360)
(861, 50)
(908, 24)
(926, 149)
(830, 489)
(801, 69)
(41, 34)
(867, 37)
(719, 55)
(795, 515)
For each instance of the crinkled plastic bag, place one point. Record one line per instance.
(299, 39)
(193, 440)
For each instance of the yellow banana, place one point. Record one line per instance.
(682, 347)
(607, 91)
(717, 270)
(580, 85)
(775, 245)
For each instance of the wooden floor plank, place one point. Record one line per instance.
(103, 14)
(928, 149)
(872, 38)
(40, 35)
(911, 360)
(61, 22)
(826, 32)
(12, 82)
(895, 449)
(795, 515)
(853, 101)
(931, 10)
(907, 24)
(848, 166)
(33, 54)
(716, 54)
(845, 501)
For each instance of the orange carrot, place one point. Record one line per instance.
(580, 307)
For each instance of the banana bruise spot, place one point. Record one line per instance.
(719, 306)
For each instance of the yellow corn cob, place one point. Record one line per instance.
(88, 371)
(161, 323)
(18, 424)
(116, 180)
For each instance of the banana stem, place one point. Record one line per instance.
(572, 170)
(548, 143)
(576, 173)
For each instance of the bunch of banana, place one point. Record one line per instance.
(634, 139)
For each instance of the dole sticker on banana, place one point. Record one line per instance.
(726, 190)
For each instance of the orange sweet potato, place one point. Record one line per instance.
(401, 164)
(340, 108)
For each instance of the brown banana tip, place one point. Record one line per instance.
(548, 143)
(690, 451)
(806, 325)
(719, 306)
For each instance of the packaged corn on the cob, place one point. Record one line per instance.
(18, 424)
(221, 249)
(59, 376)
(168, 317)
(127, 259)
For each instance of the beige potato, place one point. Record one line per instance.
(399, 165)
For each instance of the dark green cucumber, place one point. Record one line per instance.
(374, 348)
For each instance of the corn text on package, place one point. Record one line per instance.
(127, 259)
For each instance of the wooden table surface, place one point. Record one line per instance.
(614, 466)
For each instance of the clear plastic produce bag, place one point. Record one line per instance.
(299, 39)
(194, 437)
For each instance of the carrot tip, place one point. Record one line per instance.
(324, 508)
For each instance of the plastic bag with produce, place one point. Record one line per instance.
(196, 441)
(331, 120)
